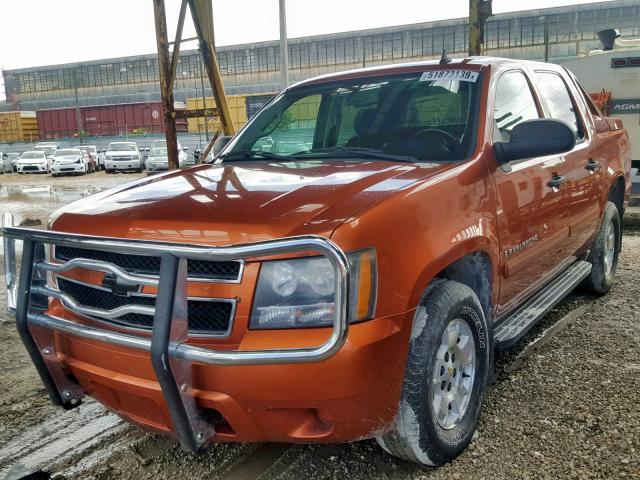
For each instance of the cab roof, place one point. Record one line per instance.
(471, 63)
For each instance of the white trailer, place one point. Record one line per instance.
(616, 71)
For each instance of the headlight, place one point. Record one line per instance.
(135, 157)
(300, 292)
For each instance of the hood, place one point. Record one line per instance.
(121, 152)
(29, 161)
(67, 159)
(240, 202)
(160, 158)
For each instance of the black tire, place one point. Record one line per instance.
(602, 276)
(107, 170)
(416, 434)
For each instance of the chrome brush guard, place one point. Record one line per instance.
(171, 356)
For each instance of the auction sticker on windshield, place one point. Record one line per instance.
(462, 75)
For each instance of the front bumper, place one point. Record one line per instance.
(32, 168)
(157, 167)
(122, 164)
(169, 383)
(67, 168)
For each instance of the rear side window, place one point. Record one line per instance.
(514, 104)
(558, 100)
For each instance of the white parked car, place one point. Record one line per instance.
(183, 158)
(122, 156)
(70, 160)
(34, 162)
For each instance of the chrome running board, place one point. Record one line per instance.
(514, 327)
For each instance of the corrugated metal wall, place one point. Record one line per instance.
(18, 127)
(242, 108)
(104, 120)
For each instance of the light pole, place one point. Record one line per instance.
(284, 55)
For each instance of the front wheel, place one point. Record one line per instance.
(604, 253)
(447, 368)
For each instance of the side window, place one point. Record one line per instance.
(514, 104)
(557, 98)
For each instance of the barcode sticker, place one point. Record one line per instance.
(461, 75)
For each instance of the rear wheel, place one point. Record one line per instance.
(445, 377)
(604, 253)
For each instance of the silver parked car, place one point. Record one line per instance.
(157, 160)
(5, 163)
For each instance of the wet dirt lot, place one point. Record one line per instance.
(568, 408)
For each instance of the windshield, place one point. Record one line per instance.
(122, 147)
(32, 155)
(66, 153)
(425, 116)
(46, 150)
(158, 152)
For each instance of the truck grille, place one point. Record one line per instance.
(149, 265)
(206, 317)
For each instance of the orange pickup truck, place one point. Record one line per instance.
(346, 268)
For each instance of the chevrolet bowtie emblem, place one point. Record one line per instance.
(118, 286)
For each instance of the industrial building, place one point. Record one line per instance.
(554, 34)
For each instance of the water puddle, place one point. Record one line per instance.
(31, 205)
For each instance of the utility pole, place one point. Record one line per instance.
(204, 99)
(166, 69)
(546, 38)
(284, 53)
(479, 11)
(78, 115)
(202, 15)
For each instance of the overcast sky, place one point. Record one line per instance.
(44, 32)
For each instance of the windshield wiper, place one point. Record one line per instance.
(252, 155)
(356, 152)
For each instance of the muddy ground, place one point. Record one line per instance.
(567, 409)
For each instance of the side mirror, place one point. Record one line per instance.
(535, 138)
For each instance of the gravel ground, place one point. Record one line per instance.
(571, 410)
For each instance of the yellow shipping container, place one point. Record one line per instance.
(18, 127)
(237, 106)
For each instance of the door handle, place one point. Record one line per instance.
(592, 165)
(556, 181)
